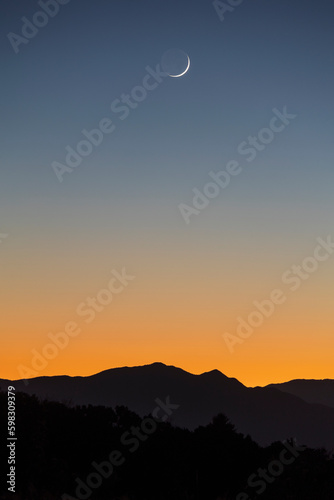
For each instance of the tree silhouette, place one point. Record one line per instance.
(58, 443)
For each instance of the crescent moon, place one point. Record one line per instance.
(184, 72)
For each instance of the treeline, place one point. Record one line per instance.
(100, 453)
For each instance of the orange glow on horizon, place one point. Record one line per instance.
(173, 314)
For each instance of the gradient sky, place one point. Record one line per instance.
(119, 207)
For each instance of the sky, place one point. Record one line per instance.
(132, 252)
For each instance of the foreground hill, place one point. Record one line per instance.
(100, 453)
(266, 414)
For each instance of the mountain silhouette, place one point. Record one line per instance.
(311, 391)
(267, 414)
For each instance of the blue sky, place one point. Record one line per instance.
(125, 195)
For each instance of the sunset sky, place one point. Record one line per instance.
(119, 209)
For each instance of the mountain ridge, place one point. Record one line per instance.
(267, 413)
(319, 391)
